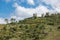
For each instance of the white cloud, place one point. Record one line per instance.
(31, 2)
(13, 17)
(54, 3)
(2, 21)
(23, 12)
(7, 1)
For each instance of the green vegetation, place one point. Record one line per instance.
(34, 28)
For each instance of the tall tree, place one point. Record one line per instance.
(6, 21)
(35, 16)
(42, 15)
(47, 14)
(13, 19)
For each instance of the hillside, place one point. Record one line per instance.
(34, 28)
(47, 19)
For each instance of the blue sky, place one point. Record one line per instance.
(5, 9)
(21, 9)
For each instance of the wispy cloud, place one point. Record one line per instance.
(54, 3)
(7, 1)
(31, 2)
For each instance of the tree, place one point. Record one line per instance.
(13, 20)
(6, 21)
(47, 14)
(34, 16)
(42, 15)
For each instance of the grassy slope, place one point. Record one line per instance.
(53, 35)
(2, 25)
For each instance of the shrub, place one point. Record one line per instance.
(58, 28)
(50, 23)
